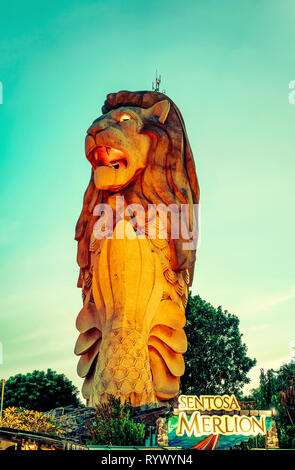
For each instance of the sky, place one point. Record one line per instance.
(227, 65)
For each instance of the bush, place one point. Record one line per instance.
(29, 420)
(113, 425)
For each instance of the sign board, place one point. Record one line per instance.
(214, 422)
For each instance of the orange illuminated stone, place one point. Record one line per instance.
(135, 287)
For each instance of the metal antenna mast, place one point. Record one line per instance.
(156, 85)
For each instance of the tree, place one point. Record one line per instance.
(267, 396)
(216, 359)
(113, 425)
(41, 391)
(271, 384)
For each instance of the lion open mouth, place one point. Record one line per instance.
(107, 156)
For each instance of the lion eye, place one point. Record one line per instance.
(124, 117)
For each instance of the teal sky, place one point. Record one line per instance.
(227, 65)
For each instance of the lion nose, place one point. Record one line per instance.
(94, 129)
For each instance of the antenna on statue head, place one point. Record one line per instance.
(156, 85)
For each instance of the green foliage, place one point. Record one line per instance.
(113, 425)
(257, 442)
(216, 360)
(41, 391)
(267, 396)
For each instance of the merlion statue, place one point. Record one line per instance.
(135, 272)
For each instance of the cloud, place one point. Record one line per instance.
(26, 338)
(263, 326)
(272, 301)
(260, 303)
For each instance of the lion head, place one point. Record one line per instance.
(117, 145)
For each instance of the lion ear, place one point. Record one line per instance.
(159, 110)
